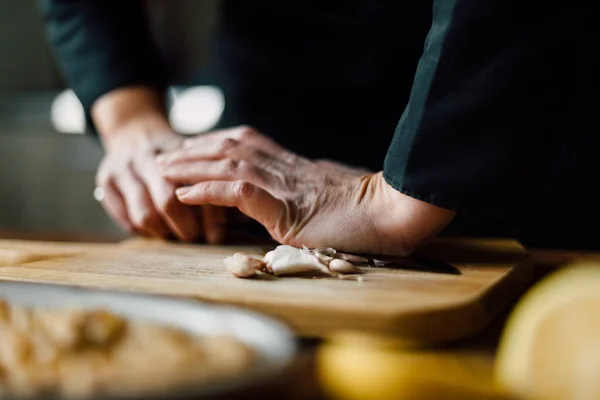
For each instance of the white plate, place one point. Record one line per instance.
(273, 342)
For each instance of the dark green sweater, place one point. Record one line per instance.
(498, 127)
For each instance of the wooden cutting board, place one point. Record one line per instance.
(420, 303)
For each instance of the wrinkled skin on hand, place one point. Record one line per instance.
(300, 202)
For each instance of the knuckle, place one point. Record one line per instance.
(228, 144)
(206, 188)
(243, 190)
(230, 166)
(245, 132)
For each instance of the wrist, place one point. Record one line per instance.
(403, 223)
(130, 110)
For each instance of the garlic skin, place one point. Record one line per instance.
(286, 260)
(324, 255)
(243, 265)
(342, 266)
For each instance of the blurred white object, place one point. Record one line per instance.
(196, 109)
(67, 113)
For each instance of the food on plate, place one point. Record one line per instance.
(79, 353)
(287, 260)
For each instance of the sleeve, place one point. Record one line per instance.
(477, 128)
(101, 45)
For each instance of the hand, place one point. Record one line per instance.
(343, 167)
(136, 196)
(300, 202)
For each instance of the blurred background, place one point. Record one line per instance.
(47, 165)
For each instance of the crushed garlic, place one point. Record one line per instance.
(287, 260)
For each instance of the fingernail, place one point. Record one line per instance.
(183, 191)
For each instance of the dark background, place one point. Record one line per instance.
(47, 177)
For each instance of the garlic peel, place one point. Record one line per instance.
(326, 251)
(325, 255)
(243, 265)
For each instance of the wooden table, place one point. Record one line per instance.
(479, 349)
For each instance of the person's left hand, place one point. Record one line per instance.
(300, 202)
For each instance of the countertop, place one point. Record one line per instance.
(304, 384)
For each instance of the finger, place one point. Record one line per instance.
(203, 137)
(140, 209)
(179, 218)
(215, 223)
(222, 170)
(115, 206)
(243, 134)
(209, 151)
(250, 199)
(209, 148)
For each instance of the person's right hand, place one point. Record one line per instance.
(299, 201)
(136, 195)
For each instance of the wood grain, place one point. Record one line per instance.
(418, 307)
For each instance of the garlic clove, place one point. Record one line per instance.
(343, 266)
(243, 265)
(291, 260)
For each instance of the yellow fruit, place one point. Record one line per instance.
(550, 348)
(353, 366)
